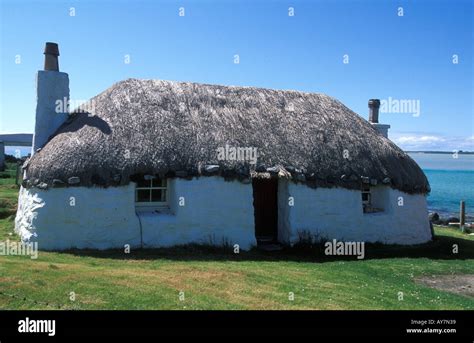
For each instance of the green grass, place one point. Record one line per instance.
(218, 279)
(8, 200)
(7, 176)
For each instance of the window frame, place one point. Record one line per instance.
(153, 204)
(368, 206)
(366, 190)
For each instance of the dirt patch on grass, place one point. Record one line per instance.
(178, 277)
(459, 284)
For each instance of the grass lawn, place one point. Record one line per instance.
(8, 198)
(218, 279)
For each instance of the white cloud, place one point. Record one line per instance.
(429, 141)
(420, 139)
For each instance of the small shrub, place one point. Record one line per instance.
(309, 241)
(224, 242)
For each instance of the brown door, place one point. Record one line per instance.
(265, 203)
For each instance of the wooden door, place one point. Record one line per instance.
(265, 202)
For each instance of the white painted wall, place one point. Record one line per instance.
(284, 228)
(51, 87)
(101, 218)
(216, 212)
(336, 213)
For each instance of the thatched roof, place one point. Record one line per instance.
(176, 128)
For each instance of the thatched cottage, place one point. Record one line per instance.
(153, 163)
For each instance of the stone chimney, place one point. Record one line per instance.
(374, 105)
(52, 98)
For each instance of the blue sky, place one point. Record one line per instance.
(403, 58)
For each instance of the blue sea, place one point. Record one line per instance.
(451, 180)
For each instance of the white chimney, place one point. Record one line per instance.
(374, 105)
(52, 91)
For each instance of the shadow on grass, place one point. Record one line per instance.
(441, 247)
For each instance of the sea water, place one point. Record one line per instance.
(451, 179)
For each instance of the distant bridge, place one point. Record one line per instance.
(14, 139)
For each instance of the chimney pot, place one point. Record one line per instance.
(51, 53)
(374, 105)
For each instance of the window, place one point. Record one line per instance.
(372, 199)
(366, 196)
(150, 191)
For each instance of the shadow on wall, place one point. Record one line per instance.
(440, 248)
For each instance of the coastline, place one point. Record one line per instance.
(449, 176)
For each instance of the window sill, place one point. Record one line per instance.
(150, 216)
(154, 210)
(372, 210)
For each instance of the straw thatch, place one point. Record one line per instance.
(175, 128)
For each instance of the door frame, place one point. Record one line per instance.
(265, 205)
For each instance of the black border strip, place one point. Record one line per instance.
(241, 323)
